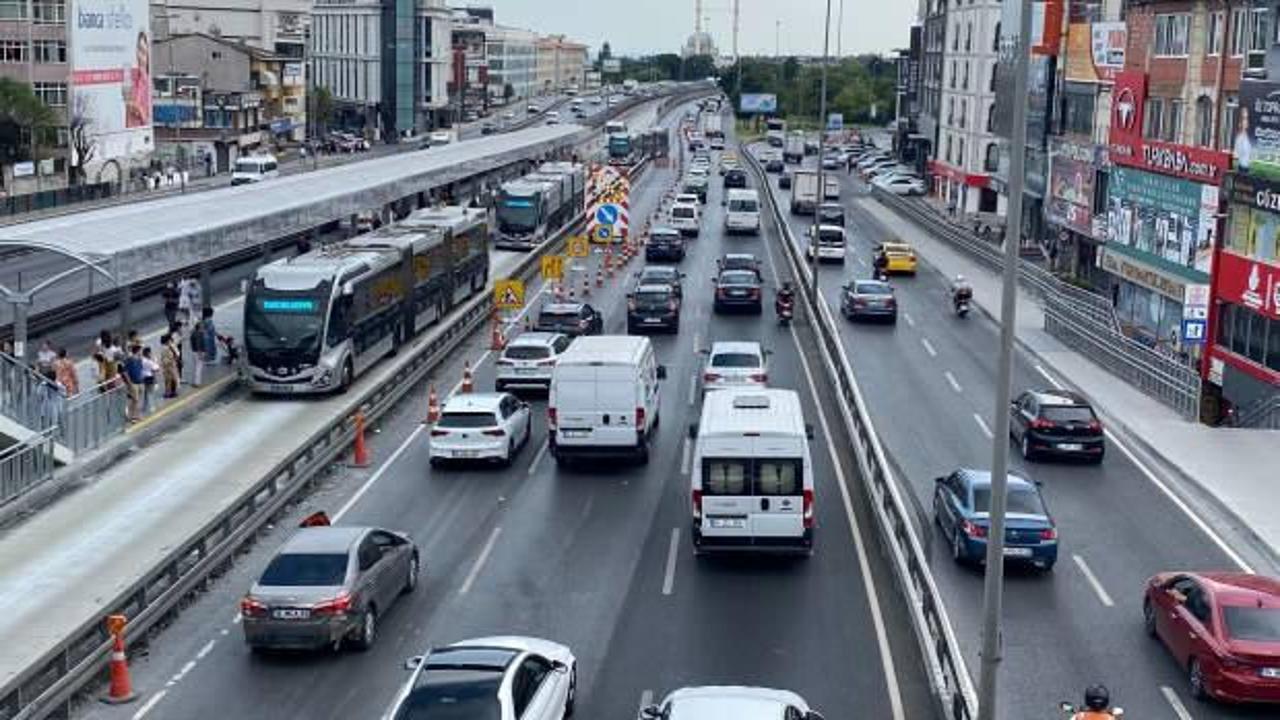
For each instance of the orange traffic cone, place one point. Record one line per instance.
(608, 262)
(599, 277)
(586, 286)
(559, 292)
(121, 688)
(496, 341)
(433, 405)
(360, 452)
(468, 382)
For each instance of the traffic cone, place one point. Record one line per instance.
(120, 689)
(559, 292)
(468, 383)
(608, 262)
(496, 341)
(433, 405)
(599, 277)
(586, 286)
(360, 452)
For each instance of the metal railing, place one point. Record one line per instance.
(1082, 320)
(49, 685)
(948, 675)
(1263, 414)
(25, 465)
(81, 422)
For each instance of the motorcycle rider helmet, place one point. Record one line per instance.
(959, 280)
(1096, 697)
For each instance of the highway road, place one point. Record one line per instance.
(598, 558)
(930, 382)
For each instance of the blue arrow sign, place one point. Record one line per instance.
(604, 232)
(607, 214)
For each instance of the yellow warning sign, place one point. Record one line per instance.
(552, 267)
(579, 246)
(508, 294)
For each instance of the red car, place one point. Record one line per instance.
(1223, 629)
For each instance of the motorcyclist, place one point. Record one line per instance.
(881, 264)
(1097, 704)
(786, 297)
(961, 291)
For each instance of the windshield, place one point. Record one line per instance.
(305, 570)
(517, 214)
(465, 420)
(682, 212)
(830, 237)
(867, 288)
(1067, 413)
(526, 352)
(738, 277)
(1253, 624)
(663, 238)
(747, 206)
(285, 322)
(250, 167)
(1021, 500)
(735, 360)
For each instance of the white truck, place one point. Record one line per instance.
(804, 192)
(711, 125)
(793, 150)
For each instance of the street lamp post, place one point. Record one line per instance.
(822, 120)
(993, 589)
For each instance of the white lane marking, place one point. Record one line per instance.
(1186, 510)
(1175, 702)
(686, 455)
(864, 565)
(928, 347)
(480, 559)
(149, 704)
(693, 389)
(910, 320)
(208, 647)
(669, 577)
(236, 620)
(533, 466)
(697, 343)
(983, 424)
(646, 699)
(952, 379)
(1052, 380)
(861, 261)
(377, 474)
(1093, 580)
(186, 668)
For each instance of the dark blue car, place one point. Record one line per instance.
(961, 502)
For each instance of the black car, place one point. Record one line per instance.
(653, 307)
(694, 185)
(488, 129)
(661, 275)
(735, 178)
(664, 244)
(774, 165)
(870, 299)
(572, 319)
(1056, 422)
(738, 290)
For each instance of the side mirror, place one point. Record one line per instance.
(650, 712)
(693, 431)
(413, 662)
(813, 715)
(808, 431)
(348, 290)
(939, 480)
(662, 372)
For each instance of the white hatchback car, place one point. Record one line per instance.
(687, 199)
(480, 426)
(736, 363)
(528, 360)
(739, 703)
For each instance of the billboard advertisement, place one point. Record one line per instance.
(1257, 138)
(1165, 217)
(611, 65)
(111, 74)
(1095, 53)
(764, 103)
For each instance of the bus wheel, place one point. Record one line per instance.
(347, 377)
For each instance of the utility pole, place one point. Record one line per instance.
(840, 32)
(737, 59)
(993, 589)
(822, 135)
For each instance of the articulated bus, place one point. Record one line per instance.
(314, 322)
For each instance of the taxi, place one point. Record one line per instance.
(901, 258)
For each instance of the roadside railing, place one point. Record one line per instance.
(1263, 414)
(25, 465)
(49, 685)
(1082, 320)
(945, 666)
(81, 422)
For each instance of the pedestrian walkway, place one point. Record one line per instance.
(1234, 466)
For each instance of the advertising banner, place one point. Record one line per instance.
(1071, 182)
(1257, 137)
(1168, 218)
(1129, 147)
(758, 103)
(1095, 52)
(1253, 284)
(111, 75)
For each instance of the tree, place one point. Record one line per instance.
(605, 51)
(84, 145)
(20, 106)
(322, 105)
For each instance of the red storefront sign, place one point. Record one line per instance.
(1129, 148)
(942, 170)
(1249, 283)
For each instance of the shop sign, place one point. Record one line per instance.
(1141, 274)
(1129, 148)
(1170, 219)
(1257, 140)
(1251, 283)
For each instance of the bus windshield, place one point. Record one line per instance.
(517, 214)
(278, 323)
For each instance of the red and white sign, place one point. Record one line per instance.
(941, 169)
(1129, 148)
(1253, 284)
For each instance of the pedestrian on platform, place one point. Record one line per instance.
(45, 356)
(169, 366)
(150, 368)
(133, 383)
(52, 399)
(103, 376)
(65, 370)
(195, 341)
(184, 301)
(170, 295)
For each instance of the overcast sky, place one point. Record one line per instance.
(646, 26)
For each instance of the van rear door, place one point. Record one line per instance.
(778, 498)
(726, 497)
(596, 405)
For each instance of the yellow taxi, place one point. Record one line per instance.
(901, 258)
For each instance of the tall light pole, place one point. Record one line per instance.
(822, 135)
(840, 32)
(993, 589)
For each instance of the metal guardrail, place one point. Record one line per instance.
(948, 675)
(81, 422)
(1263, 414)
(1080, 319)
(49, 685)
(25, 465)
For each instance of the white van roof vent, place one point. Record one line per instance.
(751, 402)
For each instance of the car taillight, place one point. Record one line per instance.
(808, 508)
(1095, 426)
(1230, 662)
(551, 419)
(582, 323)
(503, 363)
(497, 432)
(436, 432)
(337, 606)
(759, 377)
(631, 304)
(640, 419)
(252, 607)
(671, 305)
(710, 377)
(546, 363)
(755, 292)
(1049, 534)
(890, 302)
(697, 504)
(1041, 424)
(974, 530)
(859, 302)
(720, 292)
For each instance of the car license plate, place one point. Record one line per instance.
(575, 433)
(729, 523)
(1071, 447)
(1017, 552)
(291, 613)
(525, 371)
(738, 293)
(279, 388)
(652, 321)
(1270, 672)
(464, 453)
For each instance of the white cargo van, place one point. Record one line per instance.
(743, 212)
(604, 398)
(254, 168)
(752, 476)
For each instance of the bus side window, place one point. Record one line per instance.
(339, 320)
